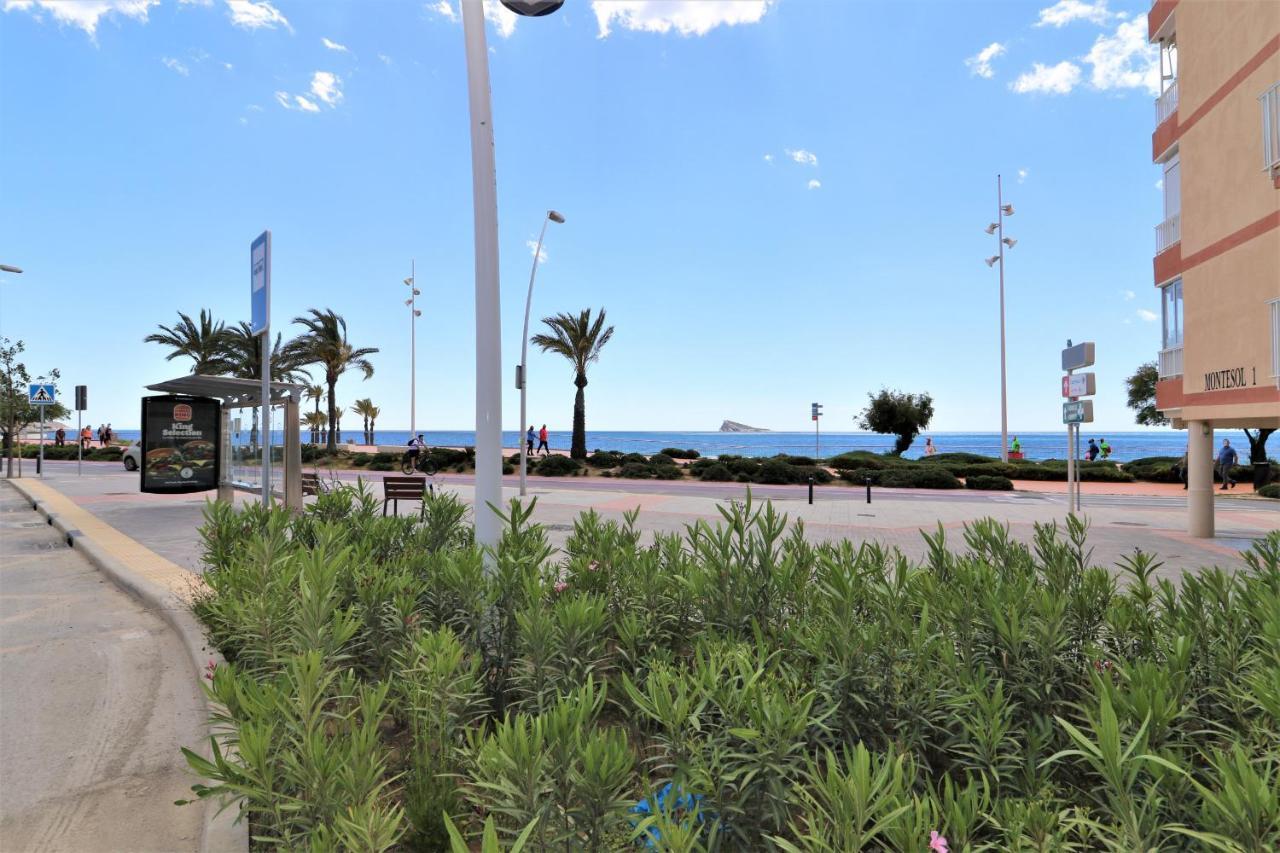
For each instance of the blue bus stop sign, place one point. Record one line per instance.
(260, 283)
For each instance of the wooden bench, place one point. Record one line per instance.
(311, 484)
(396, 489)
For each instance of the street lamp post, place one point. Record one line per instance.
(484, 191)
(997, 228)
(523, 373)
(412, 283)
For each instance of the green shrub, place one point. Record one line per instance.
(715, 472)
(859, 476)
(557, 466)
(988, 482)
(508, 468)
(960, 457)
(447, 457)
(661, 459)
(924, 477)
(1154, 469)
(787, 458)
(636, 471)
(864, 459)
(667, 472)
(677, 453)
(633, 459)
(387, 687)
(382, 465)
(605, 459)
(359, 460)
(1271, 490)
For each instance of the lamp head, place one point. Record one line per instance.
(409, 281)
(991, 261)
(991, 229)
(408, 302)
(1010, 242)
(417, 312)
(1007, 209)
(555, 216)
(7, 268)
(533, 8)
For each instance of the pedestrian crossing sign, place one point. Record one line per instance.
(41, 395)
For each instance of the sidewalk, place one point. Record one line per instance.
(98, 697)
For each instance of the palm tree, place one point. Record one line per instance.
(242, 353)
(315, 392)
(325, 344)
(203, 343)
(315, 421)
(374, 411)
(362, 407)
(580, 340)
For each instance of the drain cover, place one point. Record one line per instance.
(1132, 523)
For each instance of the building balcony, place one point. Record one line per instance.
(1270, 101)
(1168, 232)
(1170, 365)
(1167, 103)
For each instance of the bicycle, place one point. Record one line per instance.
(423, 463)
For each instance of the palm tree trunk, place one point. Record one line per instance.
(578, 447)
(332, 442)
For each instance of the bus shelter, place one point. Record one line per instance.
(236, 469)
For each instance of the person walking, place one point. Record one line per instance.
(528, 441)
(1092, 452)
(1105, 448)
(543, 447)
(1182, 467)
(86, 436)
(60, 438)
(102, 432)
(1016, 447)
(1226, 459)
(929, 447)
(110, 436)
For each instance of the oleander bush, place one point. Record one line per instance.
(923, 477)
(677, 453)
(388, 685)
(988, 482)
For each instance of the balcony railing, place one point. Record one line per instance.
(1167, 103)
(1168, 232)
(1171, 362)
(1271, 129)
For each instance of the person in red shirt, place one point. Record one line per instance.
(542, 441)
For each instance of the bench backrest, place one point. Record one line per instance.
(310, 484)
(402, 488)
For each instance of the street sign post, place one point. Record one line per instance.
(82, 403)
(1079, 385)
(815, 413)
(260, 325)
(41, 394)
(1077, 412)
(1077, 357)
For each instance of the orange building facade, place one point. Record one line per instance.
(1217, 262)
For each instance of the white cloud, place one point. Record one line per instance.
(804, 158)
(1160, 184)
(686, 17)
(533, 249)
(443, 8)
(1128, 295)
(502, 18)
(1147, 316)
(1022, 174)
(327, 86)
(386, 60)
(253, 16)
(84, 14)
(1124, 59)
(768, 158)
(333, 45)
(195, 2)
(254, 108)
(227, 65)
(1048, 79)
(980, 63)
(814, 184)
(243, 120)
(296, 102)
(1065, 11)
(175, 66)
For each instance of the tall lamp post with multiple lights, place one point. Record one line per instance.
(1002, 242)
(484, 191)
(522, 372)
(412, 302)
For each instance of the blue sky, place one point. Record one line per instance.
(777, 202)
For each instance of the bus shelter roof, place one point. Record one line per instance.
(233, 392)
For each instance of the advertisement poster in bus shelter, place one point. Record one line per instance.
(181, 441)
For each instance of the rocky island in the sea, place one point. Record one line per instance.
(734, 426)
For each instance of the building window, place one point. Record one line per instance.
(1171, 302)
(1271, 129)
(1275, 340)
(1172, 188)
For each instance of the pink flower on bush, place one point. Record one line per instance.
(937, 843)
(593, 567)
(561, 586)
(209, 669)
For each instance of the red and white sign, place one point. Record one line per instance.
(182, 412)
(1079, 385)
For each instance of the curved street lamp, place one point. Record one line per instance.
(522, 374)
(997, 228)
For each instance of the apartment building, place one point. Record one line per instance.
(1217, 262)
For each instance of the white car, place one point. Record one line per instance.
(132, 456)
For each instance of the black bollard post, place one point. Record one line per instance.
(868, 490)
(810, 491)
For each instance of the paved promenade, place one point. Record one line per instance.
(1118, 522)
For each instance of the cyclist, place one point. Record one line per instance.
(415, 450)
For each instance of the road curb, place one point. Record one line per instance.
(221, 833)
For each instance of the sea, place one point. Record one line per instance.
(1035, 445)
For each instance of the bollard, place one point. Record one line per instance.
(811, 491)
(868, 489)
